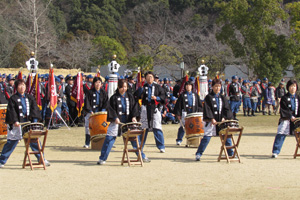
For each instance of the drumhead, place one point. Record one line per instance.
(131, 123)
(196, 114)
(226, 121)
(99, 113)
(30, 124)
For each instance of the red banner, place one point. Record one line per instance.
(197, 86)
(28, 83)
(52, 90)
(35, 91)
(184, 80)
(77, 93)
(20, 76)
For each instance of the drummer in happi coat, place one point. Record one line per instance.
(216, 109)
(289, 111)
(122, 108)
(95, 101)
(187, 103)
(21, 108)
(153, 97)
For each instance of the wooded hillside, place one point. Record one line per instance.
(262, 34)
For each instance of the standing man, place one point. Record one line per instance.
(279, 92)
(153, 97)
(234, 94)
(254, 97)
(70, 103)
(177, 88)
(245, 89)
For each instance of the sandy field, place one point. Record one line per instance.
(74, 174)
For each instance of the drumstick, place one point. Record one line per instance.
(23, 123)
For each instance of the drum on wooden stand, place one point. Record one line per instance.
(3, 126)
(194, 129)
(98, 128)
(130, 127)
(27, 126)
(232, 124)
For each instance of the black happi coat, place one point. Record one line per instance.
(234, 91)
(158, 92)
(182, 104)
(286, 112)
(210, 108)
(3, 99)
(14, 109)
(68, 92)
(114, 107)
(90, 100)
(86, 87)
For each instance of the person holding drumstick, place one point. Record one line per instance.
(122, 108)
(216, 109)
(95, 101)
(153, 96)
(188, 102)
(21, 108)
(289, 110)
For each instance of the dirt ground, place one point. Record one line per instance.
(73, 173)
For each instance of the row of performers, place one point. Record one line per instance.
(123, 108)
(254, 95)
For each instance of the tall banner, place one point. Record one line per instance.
(20, 76)
(77, 93)
(139, 80)
(28, 83)
(35, 91)
(52, 90)
(185, 79)
(197, 85)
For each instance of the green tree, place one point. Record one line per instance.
(294, 9)
(247, 29)
(19, 56)
(107, 48)
(142, 59)
(58, 20)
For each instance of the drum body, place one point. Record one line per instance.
(3, 126)
(194, 124)
(228, 123)
(132, 126)
(98, 123)
(32, 126)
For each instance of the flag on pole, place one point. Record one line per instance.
(28, 83)
(197, 85)
(139, 80)
(185, 79)
(20, 76)
(52, 90)
(5, 91)
(35, 91)
(77, 93)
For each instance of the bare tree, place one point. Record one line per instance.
(28, 22)
(77, 53)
